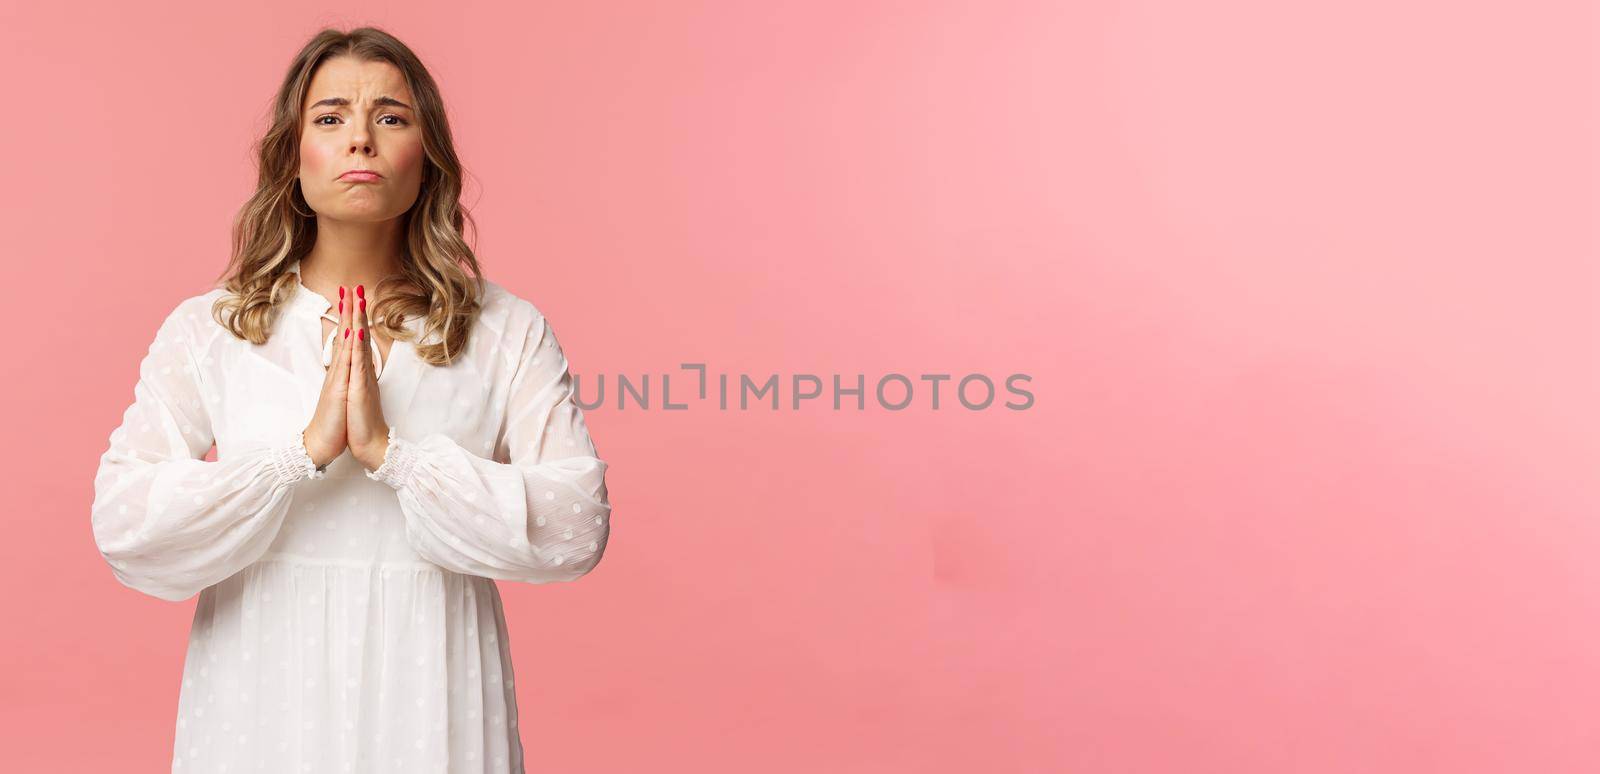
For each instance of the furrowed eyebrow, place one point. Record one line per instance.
(342, 102)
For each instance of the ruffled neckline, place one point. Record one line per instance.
(316, 305)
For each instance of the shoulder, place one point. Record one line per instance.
(191, 320)
(525, 331)
(513, 316)
(500, 301)
(198, 303)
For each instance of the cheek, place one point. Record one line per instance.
(316, 159)
(407, 159)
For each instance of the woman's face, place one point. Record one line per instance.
(358, 115)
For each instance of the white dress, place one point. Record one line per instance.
(348, 619)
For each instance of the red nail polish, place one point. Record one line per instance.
(341, 292)
(347, 333)
(363, 306)
(341, 303)
(361, 335)
(360, 293)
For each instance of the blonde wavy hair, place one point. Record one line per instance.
(439, 279)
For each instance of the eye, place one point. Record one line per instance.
(402, 121)
(318, 119)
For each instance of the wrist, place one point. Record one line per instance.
(319, 458)
(372, 455)
(396, 463)
(292, 464)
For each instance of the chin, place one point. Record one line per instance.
(361, 215)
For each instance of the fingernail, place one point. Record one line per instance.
(363, 306)
(360, 293)
(361, 335)
(341, 303)
(347, 333)
(341, 292)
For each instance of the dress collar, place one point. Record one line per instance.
(305, 298)
(314, 303)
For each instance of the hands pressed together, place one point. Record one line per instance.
(349, 413)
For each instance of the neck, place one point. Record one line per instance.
(351, 254)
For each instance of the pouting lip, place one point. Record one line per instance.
(372, 172)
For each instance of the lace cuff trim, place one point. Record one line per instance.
(293, 464)
(398, 462)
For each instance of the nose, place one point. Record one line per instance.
(361, 140)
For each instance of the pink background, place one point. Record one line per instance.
(1307, 292)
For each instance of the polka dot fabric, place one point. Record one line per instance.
(349, 619)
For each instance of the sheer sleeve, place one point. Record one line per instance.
(542, 515)
(169, 522)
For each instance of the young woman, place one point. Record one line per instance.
(393, 435)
